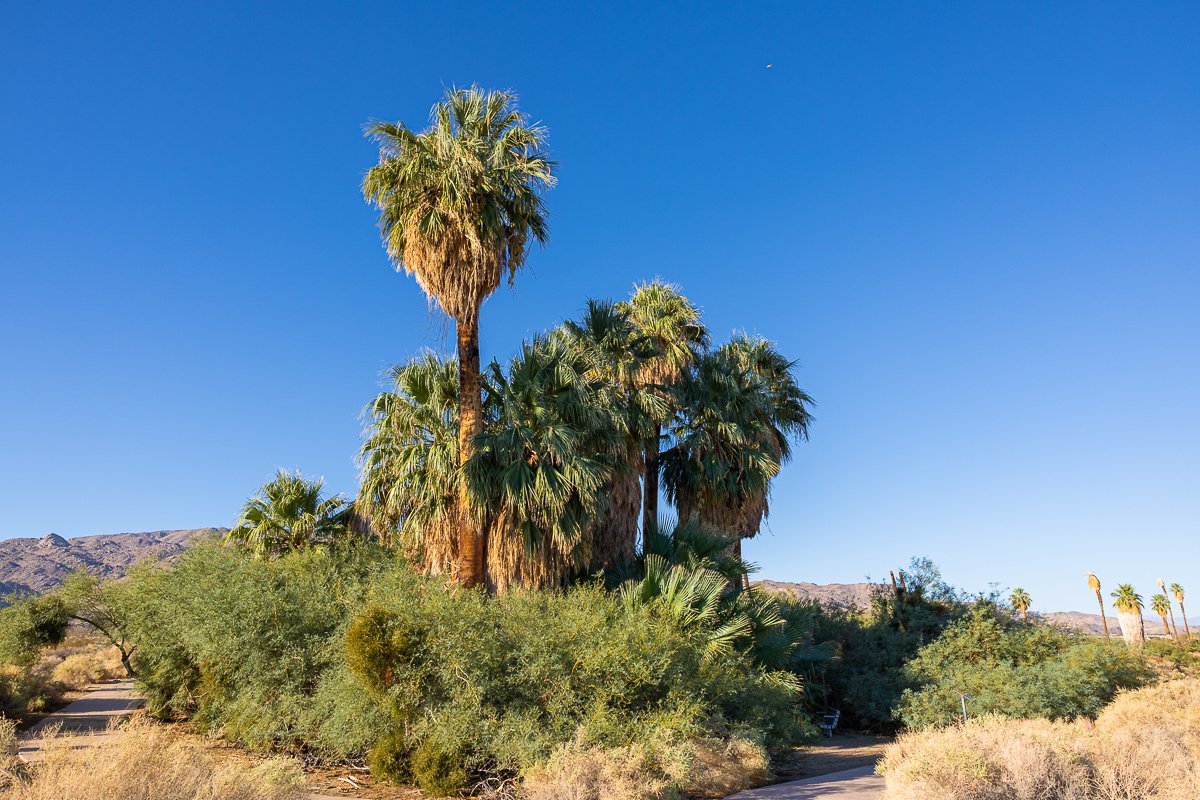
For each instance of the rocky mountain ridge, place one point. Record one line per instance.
(31, 565)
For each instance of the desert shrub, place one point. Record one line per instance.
(992, 758)
(391, 757)
(147, 761)
(1016, 670)
(28, 625)
(502, 683)
(578, 771)
(252, 648)
(1144, 746)
(80, 670)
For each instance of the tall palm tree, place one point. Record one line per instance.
(674, 325)
(1177, 591)
(615, 351)
(1094, 585)
(410, 466)
(287, 513)
(459, 205)
(1129, 612)
(1173, 629)
(1161, 606)
(1021, 601)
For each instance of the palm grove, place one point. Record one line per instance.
(536, 472)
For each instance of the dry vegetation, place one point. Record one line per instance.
(1144, 746)
(146, 761)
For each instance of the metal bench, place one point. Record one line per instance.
(830, 721)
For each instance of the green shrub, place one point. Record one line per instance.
(390, 758)
(1015, 670)
(438, 771)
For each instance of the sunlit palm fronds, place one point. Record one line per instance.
(288, 513)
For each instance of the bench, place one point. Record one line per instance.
(830, 721)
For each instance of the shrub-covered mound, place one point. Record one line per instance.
(1016, 670)
(1144, 746)
(347, 652)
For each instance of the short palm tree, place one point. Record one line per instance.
(459, 205)
(675, 327)
(1161, 606)
(1173, 630)
(288, 513)
(1021, 601)
(1177, 591)
(1129, 612)
(1094, 585)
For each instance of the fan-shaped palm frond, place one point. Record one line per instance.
(287, 513)
(1020, 600)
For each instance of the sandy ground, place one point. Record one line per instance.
(844, 751)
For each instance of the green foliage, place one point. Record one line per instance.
(288, 513)
(28, 625)
(344, 651)
(1014, 670)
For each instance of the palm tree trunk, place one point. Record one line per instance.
(1174, 631)
(1187, 628)
(1132, 628)
(470, 544)
(650, 485)
(1103, 616)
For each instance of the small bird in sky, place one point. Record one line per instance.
(770, 65)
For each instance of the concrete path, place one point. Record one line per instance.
(90, 715)
(852, 784)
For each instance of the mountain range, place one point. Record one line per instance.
(31, 565)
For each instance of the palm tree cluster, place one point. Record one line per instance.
(576, 429)
(1129, 605)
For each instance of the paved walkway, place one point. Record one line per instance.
(89, 715)
(852, 784)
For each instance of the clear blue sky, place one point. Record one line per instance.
(975, 226)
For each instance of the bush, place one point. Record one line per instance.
(344, 652)
(1144, 746)
(577, 771)
(80, 670)
(1016, 670)
(147, 761)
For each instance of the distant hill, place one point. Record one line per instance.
(858, 595)
(841, 595)
(32, 565)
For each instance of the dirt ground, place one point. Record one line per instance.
(844, 751)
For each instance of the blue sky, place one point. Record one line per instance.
(975, 226)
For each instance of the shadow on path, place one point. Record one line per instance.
(91, 715)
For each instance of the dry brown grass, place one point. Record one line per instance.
(149, 762)
(1144, 746)
(80, 670)
(580, 772)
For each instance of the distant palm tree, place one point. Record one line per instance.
(1161, 606)
(459, 206)
(663, 315)
(1174, 629)
(1020, 601)
(1094, 585)
(287, 514)
(1129, 612)
(1177, 590)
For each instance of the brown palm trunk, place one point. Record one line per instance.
(1103, 616)
(1166, 627)
(650, 486)
(1174, 629)
(470, 544)
(1187, 628)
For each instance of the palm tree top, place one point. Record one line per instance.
(1177, 590)
(1020, 599)
(1127, 599)
(675, 325)
(459, 202)
(1160, 604)
(1093, 582)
